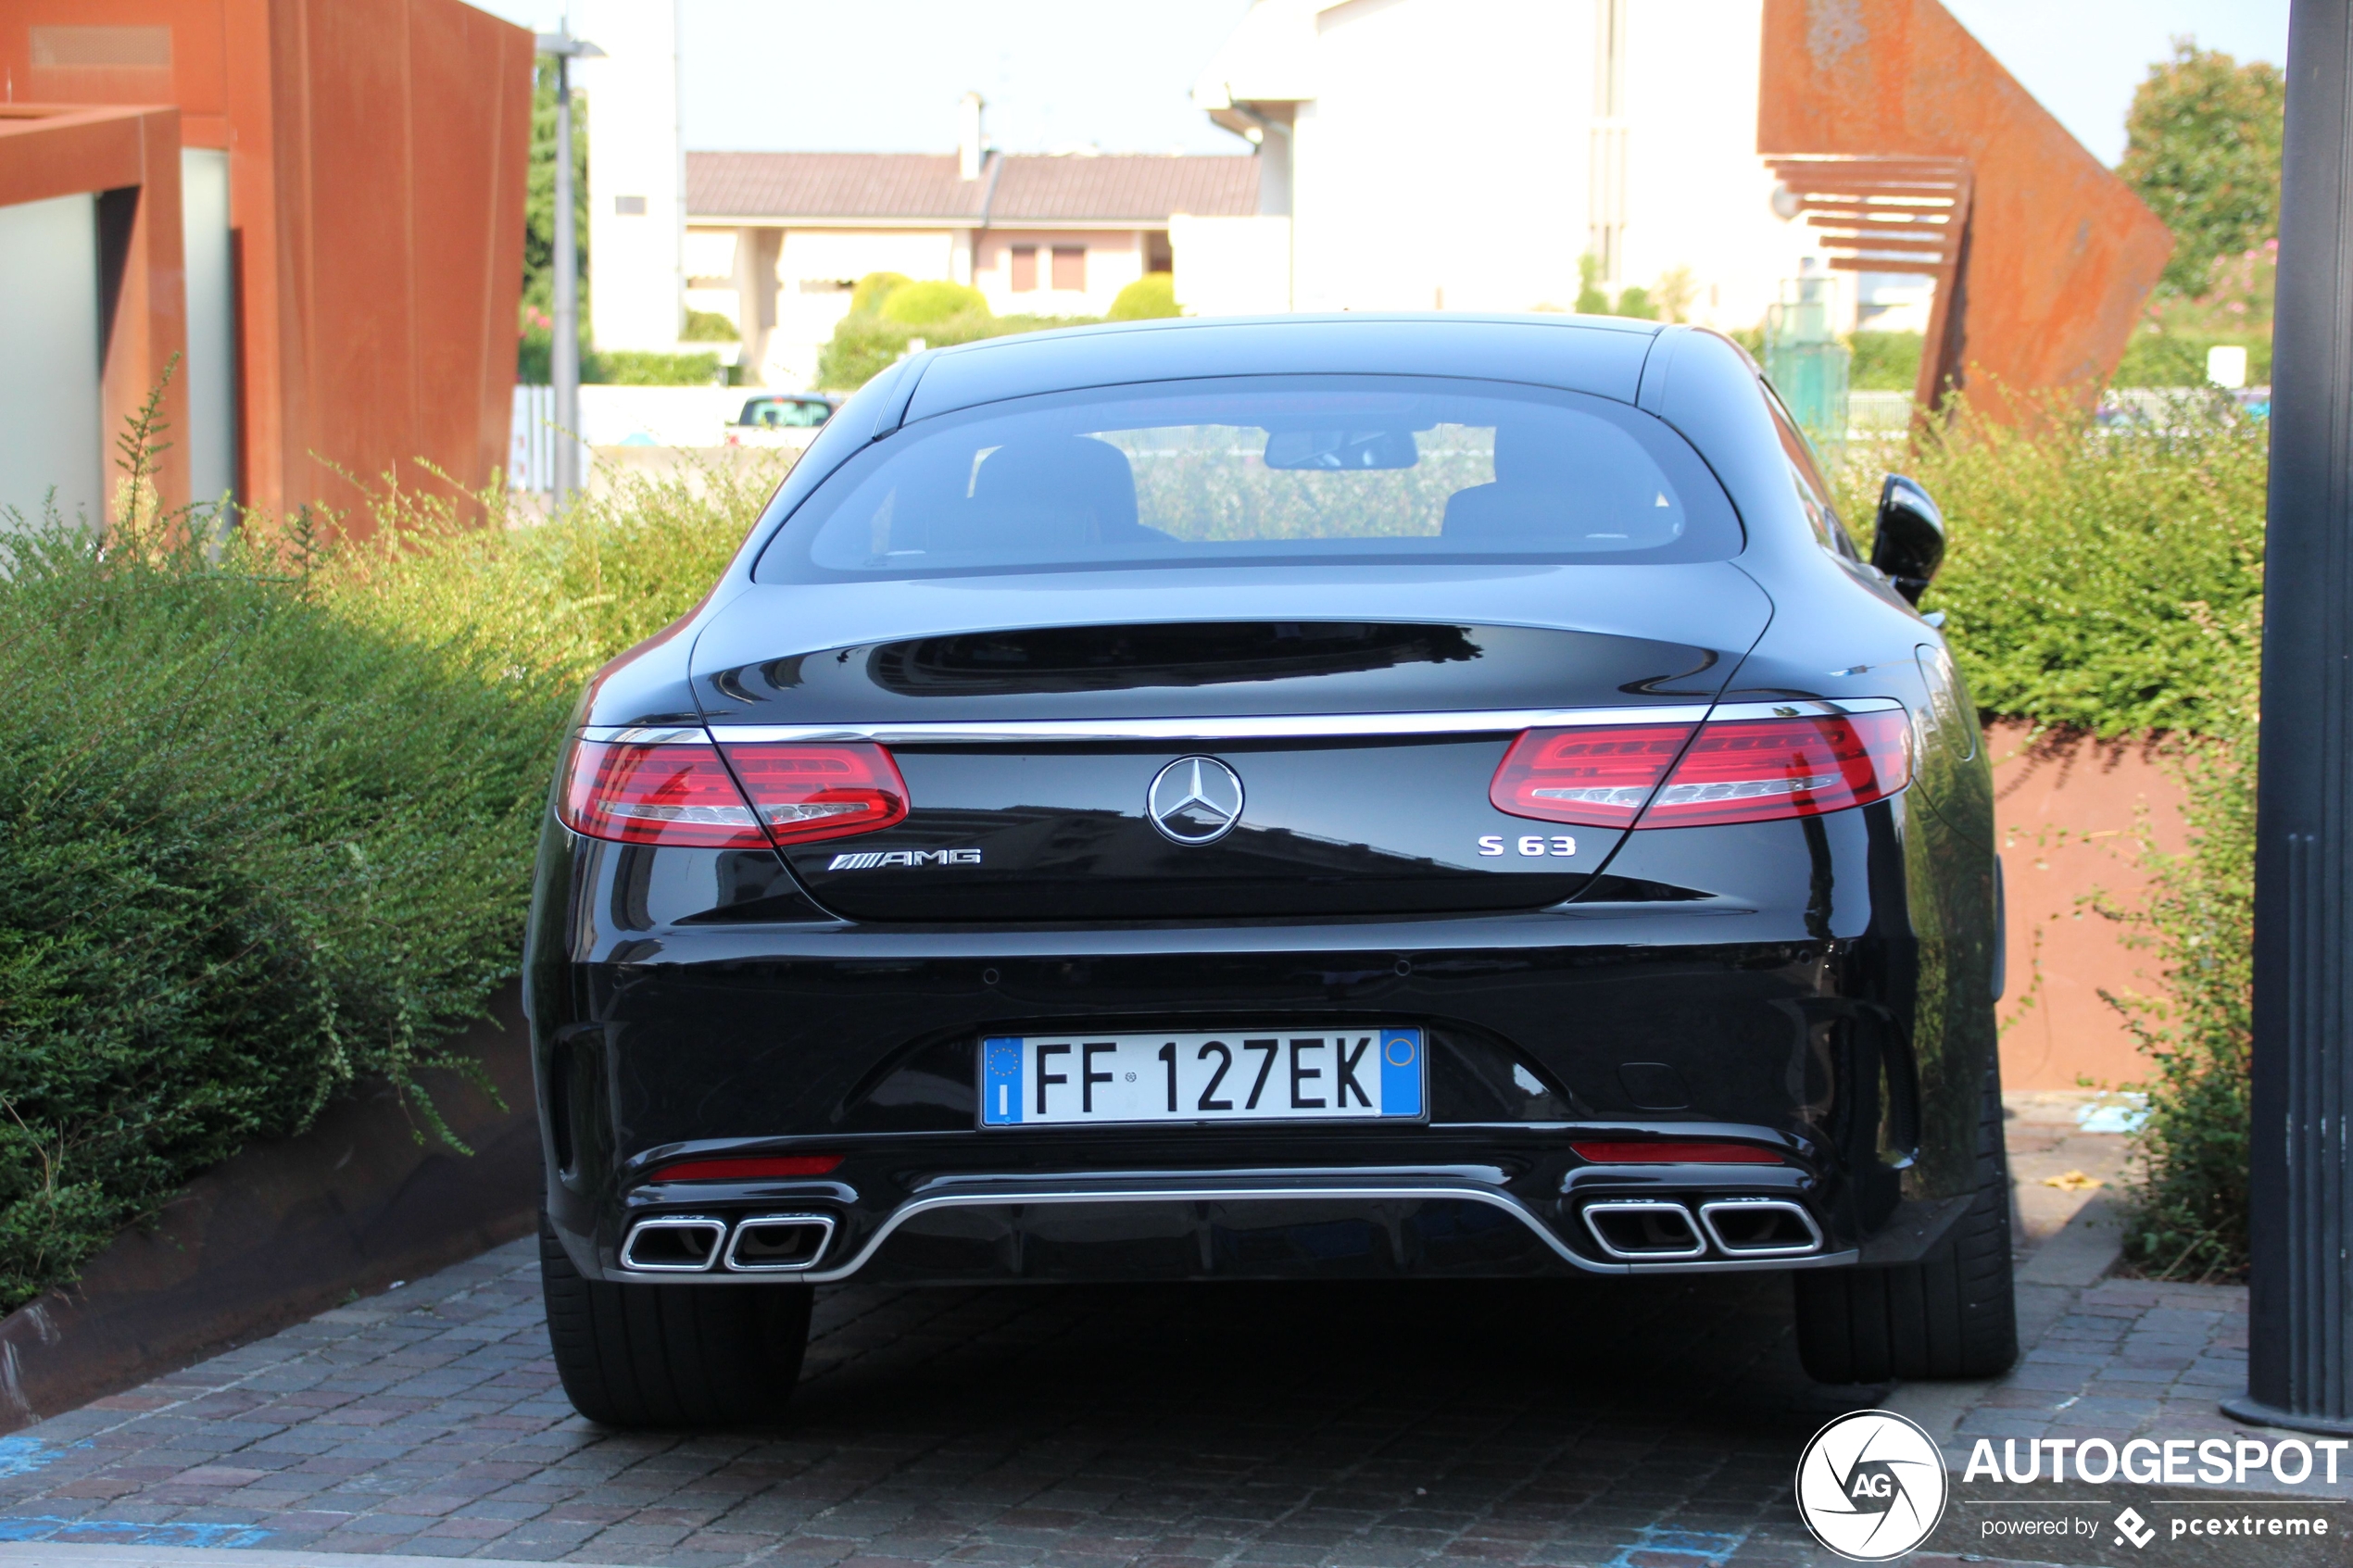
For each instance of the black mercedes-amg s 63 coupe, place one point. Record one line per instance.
(1316, 797)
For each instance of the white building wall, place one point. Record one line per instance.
(1697, 194)
(1440, 164)
(1445, 155)
(209, 371)
(51, 429)
(1231, 266)
(636, 173)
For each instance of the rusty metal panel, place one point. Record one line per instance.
(2061, 253)
(378, 151)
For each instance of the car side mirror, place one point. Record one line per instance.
(1909, 543)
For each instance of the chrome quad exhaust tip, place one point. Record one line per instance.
(1644, 1230)
(779, 1243)
(673, 1244)
(1760, 1227)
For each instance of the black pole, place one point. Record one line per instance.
(2299, 1374)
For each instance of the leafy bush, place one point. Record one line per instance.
(2178, 359)
(2190, 1201)
(1884, 361)
(2089, 565)
(636, 366)
(709, 326)
(267, 807)
(1149, 297)
(864, 347)
(868, 296)
(932, 303)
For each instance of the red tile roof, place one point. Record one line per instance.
(1114, 188)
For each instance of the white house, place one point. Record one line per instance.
(1464, 154)
(775, 241)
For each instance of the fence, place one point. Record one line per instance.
(616, 416)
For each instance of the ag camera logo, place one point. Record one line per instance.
(1871, 1485)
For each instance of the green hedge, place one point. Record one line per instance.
(266, 816)
(2097, 575)
(2109, 578)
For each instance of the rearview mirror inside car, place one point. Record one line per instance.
(1341, 450)
(1910, 545)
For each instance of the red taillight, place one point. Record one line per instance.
(1734, 771)
(686, 796)
(1673, 1151)
(1758, 769)
(808, 791)
(1596, 777)
(673, 794)
(750, 1168)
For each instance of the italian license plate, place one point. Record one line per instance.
(1239, 1075)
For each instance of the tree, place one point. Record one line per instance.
(2203, 151)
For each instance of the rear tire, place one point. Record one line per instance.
(671, 1355)
(1950, 1315)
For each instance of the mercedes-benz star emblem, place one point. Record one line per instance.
(1195, 800)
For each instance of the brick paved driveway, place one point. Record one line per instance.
(1644, 1422)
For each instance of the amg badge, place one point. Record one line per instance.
(866, 859)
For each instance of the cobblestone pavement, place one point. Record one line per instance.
(1647, 1423)
(1623, 1425)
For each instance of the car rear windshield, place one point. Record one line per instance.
(1258, 472)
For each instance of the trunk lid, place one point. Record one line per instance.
(1353, 744)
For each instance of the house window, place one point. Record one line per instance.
(1024, 269)
(1070, 267)
(629, 207)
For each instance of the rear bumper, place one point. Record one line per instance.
(657, 1040)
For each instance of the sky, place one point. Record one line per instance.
(884, 75)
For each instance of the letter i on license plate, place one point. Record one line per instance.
(1242, 1075)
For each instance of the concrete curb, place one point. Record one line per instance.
(285, 1229)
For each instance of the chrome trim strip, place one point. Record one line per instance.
(824, 1223)
(1004, 1198)
(1239, 726)
(647, 734)
(1707, 1218)
(1644, 1206)
(675, 1223)
(1819, 708)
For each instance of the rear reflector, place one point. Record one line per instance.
(751, 1168)
(1733, 770)
(1673, 1151)
(687, 797)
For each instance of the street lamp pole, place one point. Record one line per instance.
(2299, 1374)
(563, 354)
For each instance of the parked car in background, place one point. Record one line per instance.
(780, 419)
(1327, 797)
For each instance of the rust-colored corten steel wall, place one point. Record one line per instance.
(2061, 253)
(377, 160)
(130, 157)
